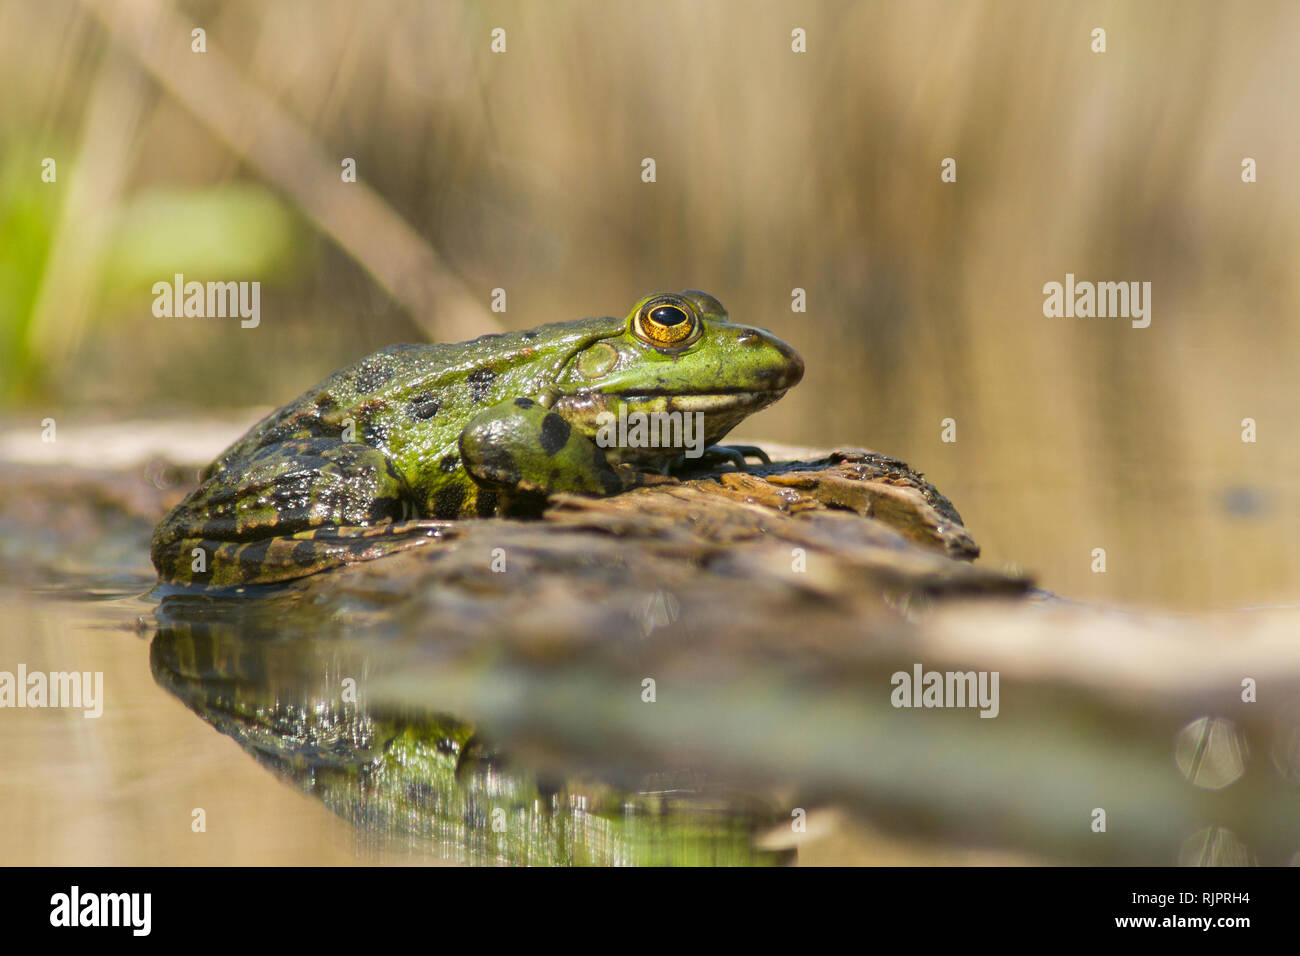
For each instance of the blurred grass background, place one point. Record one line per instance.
(775, 170)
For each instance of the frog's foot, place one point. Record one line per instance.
(524, 453)
(716, 455)
(295, 507)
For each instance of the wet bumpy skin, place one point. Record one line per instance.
(367, 461)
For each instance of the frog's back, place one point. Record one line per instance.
(424, 389)
(323, 410)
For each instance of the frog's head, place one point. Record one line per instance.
(676, 352)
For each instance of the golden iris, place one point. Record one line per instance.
(667, 322)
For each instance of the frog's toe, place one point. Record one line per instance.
(716, 455)
(748, 451)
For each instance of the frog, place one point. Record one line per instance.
(389, 452)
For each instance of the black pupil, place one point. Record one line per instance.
(668, 315)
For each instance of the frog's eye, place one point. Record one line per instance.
(667, 321)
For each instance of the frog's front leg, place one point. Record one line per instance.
(524, 453)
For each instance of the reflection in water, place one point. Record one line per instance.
(294, 698)
(1210, 753)
(1214, 846)
(1286, 741)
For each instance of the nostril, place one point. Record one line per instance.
(749, 337)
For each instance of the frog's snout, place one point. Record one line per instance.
(785, 370)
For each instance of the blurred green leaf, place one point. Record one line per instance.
(229, 232)
(28, 210)
(240, 232)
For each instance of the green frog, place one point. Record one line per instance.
(383, 454)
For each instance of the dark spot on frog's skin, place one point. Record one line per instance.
(371, 377)
(486, 506)
(325, 401)
(555, 433)
(447, 501)
(296, 426)
(359, 547)
(524, 403)
(480, 383)
(217, 528)
(288, 498)
(449, 464)
(499, 465)
(252, 557)
(529, 336)
(374, 434)
(423, 407)
(304, 552)
(276, 434)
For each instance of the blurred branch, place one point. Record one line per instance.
(284, 152)
(62, 305)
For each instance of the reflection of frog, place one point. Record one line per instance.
(456, 431)
(266, 671)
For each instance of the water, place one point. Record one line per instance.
(120, 789)
(296, 775)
